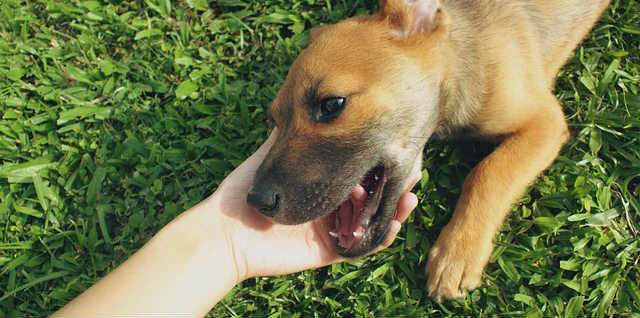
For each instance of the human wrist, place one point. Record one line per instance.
(200, 236)
(228, 231)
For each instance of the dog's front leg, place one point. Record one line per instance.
(463, 248)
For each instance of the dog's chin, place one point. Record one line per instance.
(356, 233)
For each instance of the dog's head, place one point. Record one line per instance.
(356, 108)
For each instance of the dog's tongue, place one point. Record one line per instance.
(348, 226)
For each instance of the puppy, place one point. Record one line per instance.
(361, 101)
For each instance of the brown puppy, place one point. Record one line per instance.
(359, 104)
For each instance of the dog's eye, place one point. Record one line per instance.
(331, 107)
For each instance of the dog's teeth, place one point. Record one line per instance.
(357, 234)
(333, 234)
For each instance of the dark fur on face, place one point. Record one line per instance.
(315, 180)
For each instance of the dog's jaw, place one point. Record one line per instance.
(351, 220)
(381, 211)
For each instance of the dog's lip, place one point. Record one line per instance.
(348, 234)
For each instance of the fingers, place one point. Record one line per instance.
(406, 204)
(416, 172)
(408, 201)
(393, 232)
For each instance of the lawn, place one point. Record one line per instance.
(117, 116)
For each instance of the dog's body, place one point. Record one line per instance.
(362, 100)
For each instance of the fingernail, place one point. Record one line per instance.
(395, 227)
(413, 200)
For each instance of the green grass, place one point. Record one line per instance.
(118, 116)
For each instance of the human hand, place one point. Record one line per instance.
(264, 248)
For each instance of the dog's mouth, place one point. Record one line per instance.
(350, 222)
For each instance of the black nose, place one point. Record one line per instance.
(266, 201)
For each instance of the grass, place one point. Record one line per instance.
(118, 116)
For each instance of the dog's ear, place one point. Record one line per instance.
(412, 17)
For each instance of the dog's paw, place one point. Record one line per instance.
(455, 264)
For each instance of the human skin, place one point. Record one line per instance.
(191, 263)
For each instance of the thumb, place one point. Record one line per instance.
(254, 161)
(264, 148)
(241, 178)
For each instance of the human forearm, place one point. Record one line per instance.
(196, 259)
(183, 270)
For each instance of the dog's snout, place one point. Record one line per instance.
(266, 201)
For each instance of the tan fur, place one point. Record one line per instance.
(518, 105)
(481, 66)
